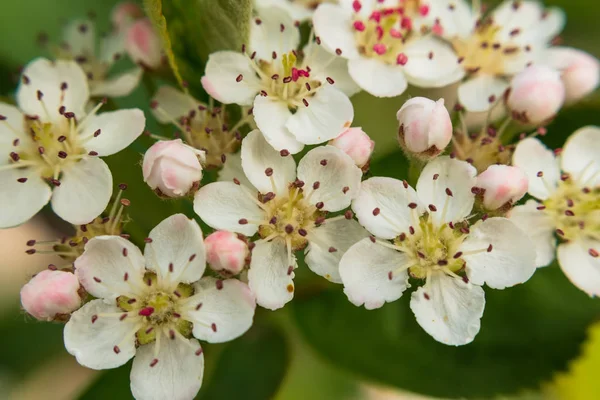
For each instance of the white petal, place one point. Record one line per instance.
(271, 116)
(173, 104)
(582, 269)
(21, 201)
(80, 37)
(512, 257)
(258, 157)
(232, 169)
(268, 36)
(117, 86)
(112, 46)
(47, 77)
(271, 276)
(447, 173)
(177, 374)
(337, 175)
(431, 63)
(84, 191)
(92, 337)
(299, 12)
(457, 21)
(536, 25)
(328, 243)
(581, 156)
(540, 228)
(333, 25)
(324, 64)
(110, 267)
(453, 311)
(118, 129)
(391, 197)
(221, 310)
(533, 157)
(328, 114)
(377, 78)
(11, 128)
(177, 250)
(474, 94)
(220, 79)
(222, 205)
(366, 269)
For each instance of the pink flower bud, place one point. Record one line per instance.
(226, 252)
(172, 167)
(536, 94)
(425, 127)
(580, 71)
(502, 184)
(356, 143)
(143, 44)
(125, 13)
(50, 293)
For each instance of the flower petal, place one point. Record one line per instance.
(366, 269)
(21, 201)
(80, 37)
(100, 341)
(333, 25)
(271, 116)
(232, 169)
(11, 128)
(222, 205)
(265, 167)
(167, 369)
(84, 191)
(117, 86)
(330, 176)
(112, 47)
(328, 114)
(110, 267)
(447, 173)
(118, 129)
(220, 80)
(328, 243)
(533, 157)
(474, 94)
(581, 156)
(540, 228)
(431, 63)
(578, 264)
(377, 78)
(271, 276)
(449, 309)
(171, 104)
(457, 21)
(221, 310)
(381, 206)
(509, 261)
(324, 64)
(273, 31)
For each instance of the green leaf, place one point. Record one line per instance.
(528, 333)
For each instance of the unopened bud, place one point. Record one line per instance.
(125, 13)
(143, 44)
(425, 127)
(580, 71)
(536, 94)
(226, 252)
(172, 167)
(356, 143)
(502, 184)
(50, 294)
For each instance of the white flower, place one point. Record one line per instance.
(384, 45)
(568, 205)
(432, 240)
(80, 38)
(288, 210)
(154, 306)
(297, 100)
(50, 138)
(514, 34)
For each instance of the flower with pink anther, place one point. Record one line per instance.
(357, 144)
(50, 141)
(288, 209)
(384, 45)
(172, 168)
(143, 44)
(51, 294)
(580, 71)
(296, 100)
(425, 127)
(155, 306)
(425, 234)
(566, 207)
(536, 94)
(501, 185)
(226, 252)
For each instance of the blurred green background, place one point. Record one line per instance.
(319, 346)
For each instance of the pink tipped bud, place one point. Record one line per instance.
(580, 71)
(502, 185)
(172, 167)
(143, 44)
(425, 127)
(226, 252)
(356, 143)
(125, 13)
(536, 94)
(51, 293)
